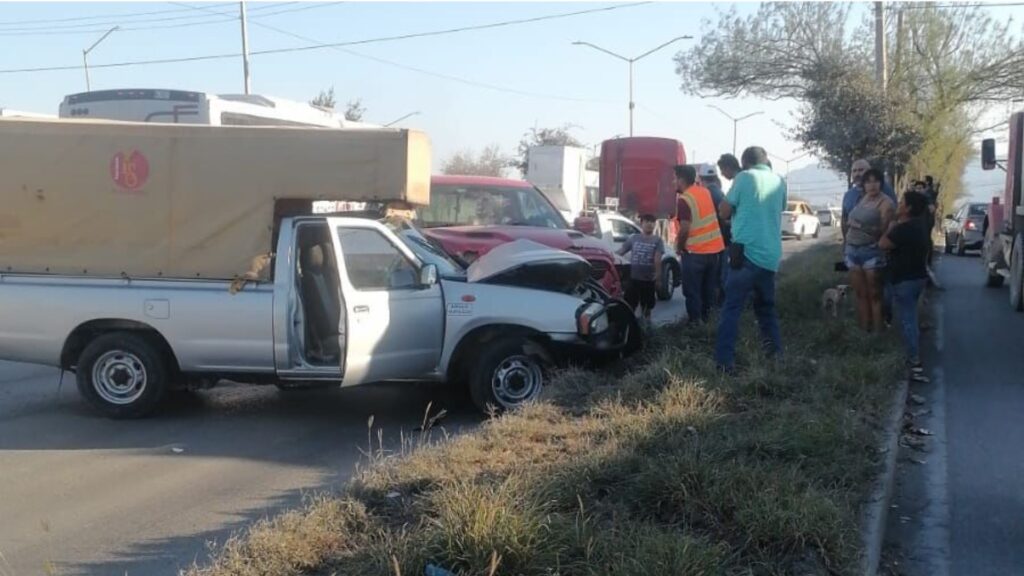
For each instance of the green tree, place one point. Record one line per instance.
(490, 162)
(557, 136)
(850, 119)
(946, 65)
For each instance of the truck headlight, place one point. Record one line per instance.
(591, 319)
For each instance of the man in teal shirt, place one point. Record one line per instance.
(754, 204)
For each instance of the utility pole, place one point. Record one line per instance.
(245, 49)
(880, 64)
(85, 55)
(631, 61)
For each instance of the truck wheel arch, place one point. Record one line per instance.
(84, 333)
(461, 358)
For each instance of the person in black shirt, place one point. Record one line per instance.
(908, 243)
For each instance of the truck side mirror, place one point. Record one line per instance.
(428, 275)
(988, 154)
(585, 224)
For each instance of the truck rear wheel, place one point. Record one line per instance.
(669, 279)
(508, 373)
(123, 375)
(1017, 274)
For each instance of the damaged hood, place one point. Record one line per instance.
(529, 264)
(483, 238)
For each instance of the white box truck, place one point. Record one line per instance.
(560, 172)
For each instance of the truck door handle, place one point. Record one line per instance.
(361, 309)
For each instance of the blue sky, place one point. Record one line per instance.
(536, 58)
(584, 87)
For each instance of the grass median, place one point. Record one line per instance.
(659, 466)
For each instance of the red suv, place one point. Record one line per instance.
(470, 215)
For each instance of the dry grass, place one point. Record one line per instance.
(662, 468)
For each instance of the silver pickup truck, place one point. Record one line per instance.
(351, 301)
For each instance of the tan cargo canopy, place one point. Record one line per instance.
(149, 200)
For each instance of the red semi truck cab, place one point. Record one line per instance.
(638, 172)
(1003, 250)
(470, 215)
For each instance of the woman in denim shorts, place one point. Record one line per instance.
(867, 223)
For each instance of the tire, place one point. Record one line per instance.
(668, 281)
(506, 375)
(1017, 274)
(123, 375)
(992, 279)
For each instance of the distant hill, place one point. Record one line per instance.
(817, 184)
(820, 185)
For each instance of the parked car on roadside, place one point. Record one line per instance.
(826, 217)
(963, 229)
(799, 221)
(471, 215)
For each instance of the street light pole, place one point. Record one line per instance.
(630, 62)
(85, 55)
(735, 122)
(793, 159)
(247, 78)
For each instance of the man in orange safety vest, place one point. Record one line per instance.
(699, 244)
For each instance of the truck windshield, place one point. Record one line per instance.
(425, 250)
(481, 205)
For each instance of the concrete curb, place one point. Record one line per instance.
(876, 509)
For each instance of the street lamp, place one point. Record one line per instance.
(630, 61)
(793, 159)
(735, 121)
(409, 115)
(85, 55)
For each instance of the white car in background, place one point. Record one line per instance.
(800, 221)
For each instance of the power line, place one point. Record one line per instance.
(98, 16)
(130, 28)
(323, 46)
(977, 5)
(412, 68)
(92, 27)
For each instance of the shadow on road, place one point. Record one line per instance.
(234, 420)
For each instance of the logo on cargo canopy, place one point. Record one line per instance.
(129, 170)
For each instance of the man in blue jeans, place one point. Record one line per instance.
(754, 205)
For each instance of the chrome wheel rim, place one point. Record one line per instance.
(119, 377)
(516, 380)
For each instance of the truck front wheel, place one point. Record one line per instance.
(1017, 274)
(123, 375)
(508, 373)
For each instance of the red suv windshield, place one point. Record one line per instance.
(476, 205)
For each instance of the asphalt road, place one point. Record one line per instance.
(959, 504)
(81, 494)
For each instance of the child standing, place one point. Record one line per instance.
(646, 251)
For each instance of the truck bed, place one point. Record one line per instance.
(41, 313)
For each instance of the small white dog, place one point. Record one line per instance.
(832, 299)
